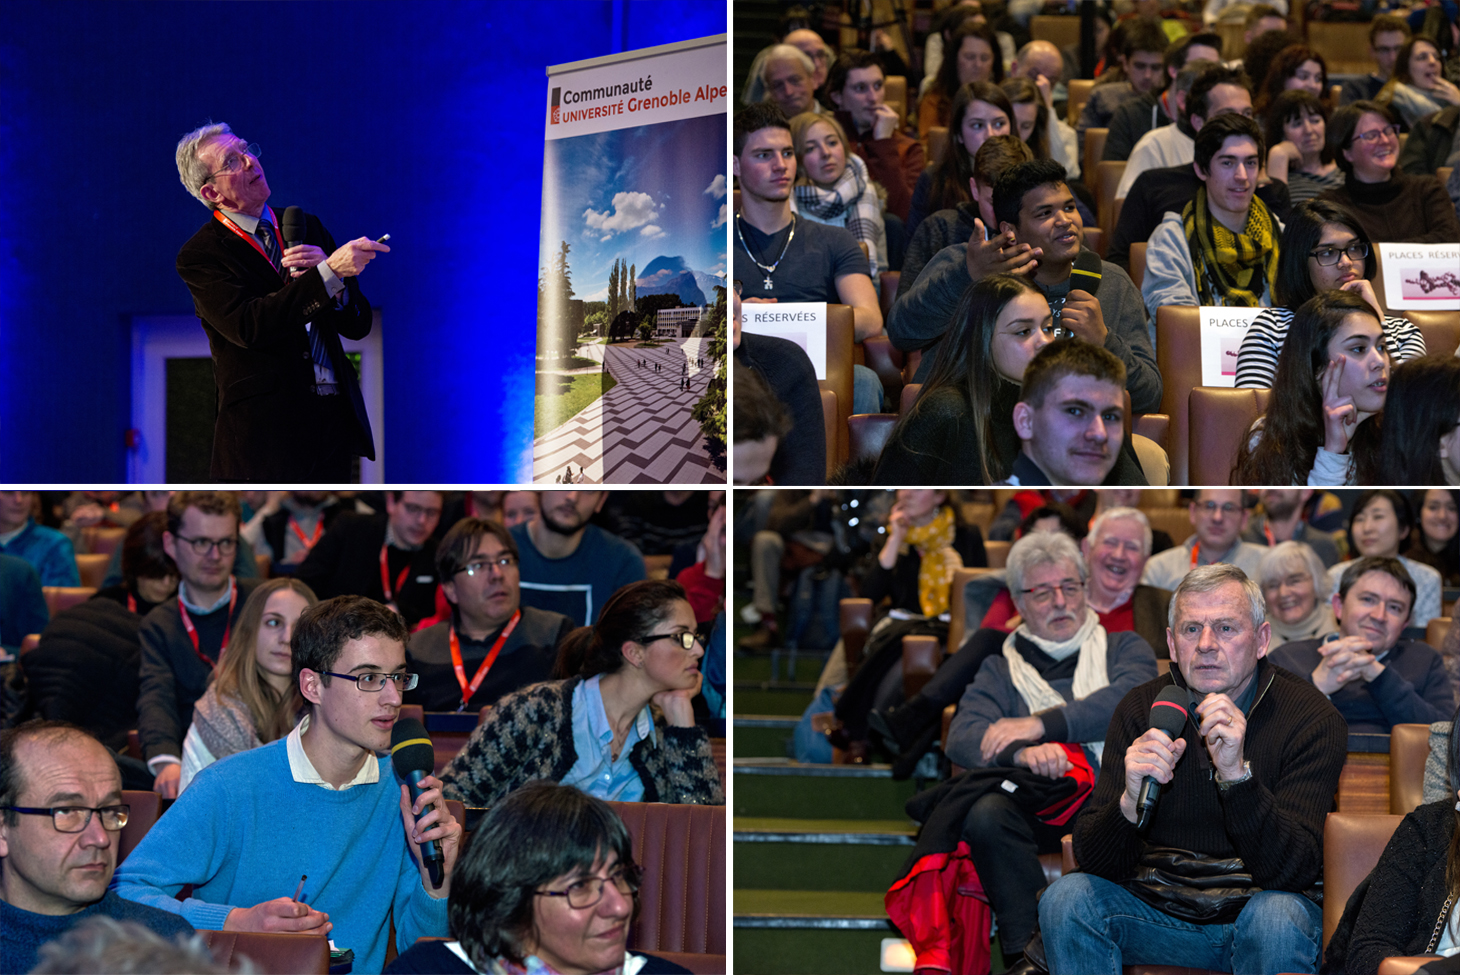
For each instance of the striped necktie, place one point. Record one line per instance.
(317, 351)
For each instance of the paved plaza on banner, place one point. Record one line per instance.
(641, 431)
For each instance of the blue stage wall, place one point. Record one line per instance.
(421, 119)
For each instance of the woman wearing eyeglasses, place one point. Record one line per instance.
(253, 698)
(1392, 205)
(622, 729)
(548, 885)
(1323, 248)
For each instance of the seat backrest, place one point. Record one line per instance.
(867, 434)
(413, 711)
(1094, 148)
(887, 282)
(1441, 329)
(1079, 89)
(1220, 419)
(1178, 356)
(882, 357)
(1443, 175)
(1061, 31)
(1108, 173)
(681, 851)
(102, 539)
(839, 342)
(657, 566)
(59, 598)
(92, 568)
(1352, 843)
(830, 420)
(957, 612)
(909, 396)
(854, 616)
(921, 656)
(143, 814)
(272, 954)
(1095, 240)
(937, 144)
(1138, 262)
(894, 91)
(1435, 631)
(1409, 747)
(998, 553)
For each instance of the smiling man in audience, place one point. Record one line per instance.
(1218, 517)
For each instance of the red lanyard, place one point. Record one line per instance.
(187, 622)
(132, 603)
(308, 543)
(1195, 551)
(1267, 530)
(467, 690)
(385, 578)
(245, 235)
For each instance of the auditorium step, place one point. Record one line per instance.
(780, 787)
(820, 854)
(809, 931)
(766, 697)
(763, 735)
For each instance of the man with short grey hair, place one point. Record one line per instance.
(1218, 517)
(1248, 779)
(787, 77)
(289, 403)
(1116, 551)
(1042, 704)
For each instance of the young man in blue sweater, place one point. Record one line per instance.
(318, 803)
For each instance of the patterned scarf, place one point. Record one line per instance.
(853, 198)
(1230, 268)
(934, 542)
(1090, 672)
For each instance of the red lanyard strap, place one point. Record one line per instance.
(245, 235)
(468, 690)
(385, 576)
(187, 622)
(1195, 551)
(309, 542)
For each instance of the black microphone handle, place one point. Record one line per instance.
(1146, 802)
(430, 852)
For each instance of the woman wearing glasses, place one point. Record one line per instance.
(622, 729)
(1392, 205)
(1323, 248)
(549, 884)
(253, 698)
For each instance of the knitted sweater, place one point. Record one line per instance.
(1413, 688)
(23, 932)
(244, 832)
(1296, 742)
(529, 735)
(1405, 209)
(48, 550)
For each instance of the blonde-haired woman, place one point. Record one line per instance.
(253, 698)
(833, 186)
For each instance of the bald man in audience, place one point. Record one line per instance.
(809, 43)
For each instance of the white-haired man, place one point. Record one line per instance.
(289, 403)
(1042, 705)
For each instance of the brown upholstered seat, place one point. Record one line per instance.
(1220, 421)
(272, 954)
(839, 341)
(1137, 262)
(1441, 329)
(144, 812)
(887, 282)
(681, 851)
(937, 144)
(1107, 179)
(1094, 150)
(867, 434)
(1409, 746)
(885, 359)
(997, 552)
(1079, 90)
(1436, 629)
(60, 598)
(1178, 356)
(830, 421)
(102, 539)
(1351, 847)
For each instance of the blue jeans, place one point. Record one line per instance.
(866, 391)
(1092, 925)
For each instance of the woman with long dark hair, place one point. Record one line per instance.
(1421, 442)
(980, 111)
(973, 55)
(1332, 378)
(1418, 86)
(1296, 127)
(1297, 67)
(623, 729)
(1323, 248)
(1030, 120)
(1435, 540)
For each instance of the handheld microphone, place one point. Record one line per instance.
(292, 227)
(413, 758)
(1169, 713)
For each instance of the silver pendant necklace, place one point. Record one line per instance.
(767, 283)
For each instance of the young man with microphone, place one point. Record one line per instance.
(319, 803)
(1245, 785)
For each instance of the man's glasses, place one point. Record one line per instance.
(1373, 134)
(1210, 508)
(74, 819)
(416, 511)
(686, 639)
(589, 891)
(1328, 256)
(374, 683)
(478, 567)
(202, 546)
(233, 162)
(1044, 595)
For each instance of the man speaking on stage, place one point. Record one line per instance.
(289, 403)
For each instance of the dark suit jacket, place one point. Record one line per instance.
(346, 562)
(261, 363)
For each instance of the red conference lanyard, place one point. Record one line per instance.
(187, 622)
(385, 579)
(467, 690)
(131, 603)
(245, 235)
(1267, 530)
(1195, 551)
(308, 543)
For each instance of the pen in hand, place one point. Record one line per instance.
(300, 889)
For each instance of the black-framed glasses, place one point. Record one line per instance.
(589, 891)
(687, 639)
(75, 819)
(1043, 595)
(202, 546)
(1328, 256)
(233, 162)
(375, 683)
(1369, 136)
(502, 562)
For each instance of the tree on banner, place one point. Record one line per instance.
(557, 325)
(710, 410)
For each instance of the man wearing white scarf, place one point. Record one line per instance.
(1057, 681)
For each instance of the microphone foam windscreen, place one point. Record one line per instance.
(410, 748)
(292, 226)
(1168, 711)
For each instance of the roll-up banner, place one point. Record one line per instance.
(631, 308)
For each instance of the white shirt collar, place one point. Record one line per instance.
(303, 770)
(182, 593)
(249, 225)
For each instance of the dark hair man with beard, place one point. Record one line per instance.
(569, 566)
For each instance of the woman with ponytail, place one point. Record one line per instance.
(621, 728)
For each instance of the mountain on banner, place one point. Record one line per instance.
(670, 276)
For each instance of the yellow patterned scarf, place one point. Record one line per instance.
(934, 542)
(1230, 268)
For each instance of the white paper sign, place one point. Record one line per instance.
(1421, 275)
(1222, 332)
(802, 322)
